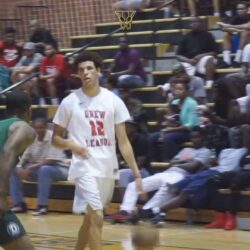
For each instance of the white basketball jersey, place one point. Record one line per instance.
(91, 122)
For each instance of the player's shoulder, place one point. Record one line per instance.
(23, 127)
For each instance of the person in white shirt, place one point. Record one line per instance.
(41, 162)
(93, 117)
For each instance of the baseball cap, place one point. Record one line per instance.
(29, 45)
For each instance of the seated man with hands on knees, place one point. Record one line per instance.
(40, 162)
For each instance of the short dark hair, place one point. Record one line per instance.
(87, 56)
(9, 30)
(184, 80)
(17, 100)
(199, 130)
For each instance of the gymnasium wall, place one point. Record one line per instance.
(63, 17)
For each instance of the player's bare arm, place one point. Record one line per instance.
(58, 140)
(127, 153)
(21, 135)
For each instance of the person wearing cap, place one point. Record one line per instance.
(28, 64)
(140, 145)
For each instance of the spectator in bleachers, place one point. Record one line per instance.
(187, 161)
(128, 67)
(135, 108)
(197, 52)
(226, 97)
(234, 39)
(11, 50)
(196, 84)
(40, 162)
(54, 72)
(140, 144)
(132, 4)
(4, 71)
(235, 181)
(193, 190)
(41, 36)
(28, 64)
(111, 84)
(193, 9)
(174, 137)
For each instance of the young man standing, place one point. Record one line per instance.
(16, 135)
(93, 116)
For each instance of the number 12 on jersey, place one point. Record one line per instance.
(97, 128)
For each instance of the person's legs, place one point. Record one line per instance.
(216, 6)
(244, 37)
(16, 189)
(95, 192)
(150, 183)
(154, 141)
(130, 81)
(227, 48)
(46, 175)
(51, 88)
(163, 195)
(95, 229)
(192, 7)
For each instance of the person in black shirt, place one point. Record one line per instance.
(197, 51)
(140, 144)
(41, 36)
(235, 39)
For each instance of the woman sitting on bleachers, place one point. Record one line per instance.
(174, 137)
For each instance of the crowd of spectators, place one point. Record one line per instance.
(189, 118)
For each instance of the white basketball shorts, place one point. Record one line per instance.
(95, 192)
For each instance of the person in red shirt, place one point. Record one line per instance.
(11, 51)
(54, 71)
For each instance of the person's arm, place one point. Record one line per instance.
(245, 26)
(59, 141)
(20, 138)
(191, 166)
(127, 153)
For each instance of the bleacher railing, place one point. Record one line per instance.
(15, 85)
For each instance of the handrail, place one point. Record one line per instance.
(76, 52)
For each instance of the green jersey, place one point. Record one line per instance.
(4, 129)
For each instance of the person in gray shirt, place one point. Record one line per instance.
(28, 64)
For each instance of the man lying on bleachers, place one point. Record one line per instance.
(193, 189)
(187, 161)
(41, 162)
(236, 181)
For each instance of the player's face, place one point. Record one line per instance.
(88, 74)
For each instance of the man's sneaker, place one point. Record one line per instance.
(121, 216)
(21, 208)
(40, 211)
(159, 220)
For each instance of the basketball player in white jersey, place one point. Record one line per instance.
(93, 116)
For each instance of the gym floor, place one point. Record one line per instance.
(58, 231)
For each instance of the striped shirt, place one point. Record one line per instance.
(40, 151)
